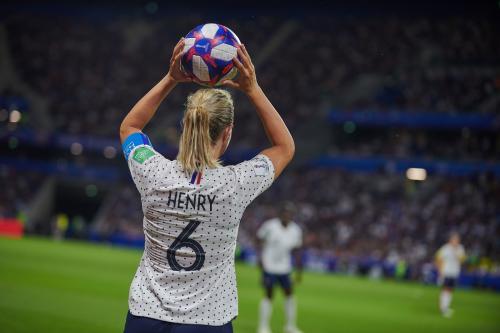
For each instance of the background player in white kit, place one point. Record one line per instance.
(279, 239)
(448, 261)
(192, 206)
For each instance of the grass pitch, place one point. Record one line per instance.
(48, 286)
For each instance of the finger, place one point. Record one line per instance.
(182, 70)
(241, 68)
(196, 80)
(177, 58)
(246, 53)
(177, 49)
(230, 83)
(238, 64)
(244, 58)
(185, 75)
(181, 40)
(185, 78)
(178, 42)
(179, 46)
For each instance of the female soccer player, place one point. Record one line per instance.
(192, 205)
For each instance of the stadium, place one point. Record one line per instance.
(394, 110)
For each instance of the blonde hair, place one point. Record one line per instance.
(208, 113)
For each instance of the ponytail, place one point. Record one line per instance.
(208, 113)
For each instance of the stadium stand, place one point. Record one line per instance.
(355, 218)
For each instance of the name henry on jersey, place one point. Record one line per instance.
(183, 200)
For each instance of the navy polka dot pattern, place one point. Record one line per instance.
(184, 288)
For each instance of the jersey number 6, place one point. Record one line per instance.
(184, 241)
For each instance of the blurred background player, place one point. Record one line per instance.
(448, 260)
(279, 239)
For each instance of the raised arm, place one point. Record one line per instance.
(282, 145)
(438, 262)
(297, 257)
(146, 107)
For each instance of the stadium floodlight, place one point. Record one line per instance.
(15, 116)
(419, 174)
(109, 152)
(76, 148)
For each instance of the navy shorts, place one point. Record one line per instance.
(136, 324)
(270, 280)
(449, 282)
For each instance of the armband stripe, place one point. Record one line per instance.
(135, 140)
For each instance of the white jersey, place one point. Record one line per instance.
(278, 242)
(451, 258)
(186, 273)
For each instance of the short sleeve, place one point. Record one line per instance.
(298, 240)
(440, 252)
(143, 160)
(253, 177)
(461, 252)
(263, 231)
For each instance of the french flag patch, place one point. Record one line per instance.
(196, 178)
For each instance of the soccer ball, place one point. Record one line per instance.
(209, 50)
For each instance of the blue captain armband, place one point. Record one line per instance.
(134, 140)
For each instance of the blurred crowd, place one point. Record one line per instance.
(354, 217)
(122, 215)
(17, 191)
(92, 71)
(455, 145)
(349, 217)
(441, 64)
(384, 216)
